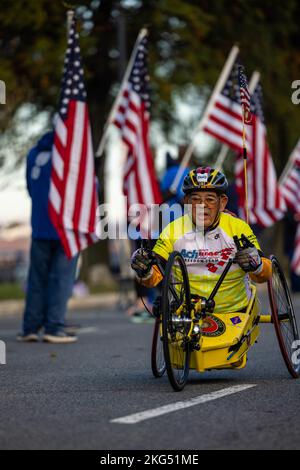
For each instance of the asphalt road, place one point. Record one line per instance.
(65, 397)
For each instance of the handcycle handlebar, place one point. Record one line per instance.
(240, 243)
(152, 256)
(220, 280)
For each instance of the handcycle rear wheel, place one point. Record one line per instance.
(158, 363)
(176, 323)
(283, 316)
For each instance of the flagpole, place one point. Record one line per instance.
(143, 32)
(289, 164)
(245, 156)
(218, 88)
(221, 157)
(252, 85)
(254, 81)
(70, 16)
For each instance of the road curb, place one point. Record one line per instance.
(16, 307)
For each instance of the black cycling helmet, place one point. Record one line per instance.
(205, 178)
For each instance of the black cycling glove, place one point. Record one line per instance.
(141, 262)
(248, 259)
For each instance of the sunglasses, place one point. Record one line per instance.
(209, 201)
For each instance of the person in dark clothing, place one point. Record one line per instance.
(168, 178)
(51, 274)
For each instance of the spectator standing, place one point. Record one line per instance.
(51, 274)
(173, 200)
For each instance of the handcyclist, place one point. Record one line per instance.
(204, 236)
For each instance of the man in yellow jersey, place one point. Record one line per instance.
(205, 238)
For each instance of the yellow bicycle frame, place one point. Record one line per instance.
(229, 349)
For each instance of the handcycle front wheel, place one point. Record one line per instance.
(158, 363)
(283, 317)
(176, 320)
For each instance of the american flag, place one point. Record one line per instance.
(245, 95)
(295, 264)
(73, 196)
(225, 119)
(265, 202)
(290, 188)
(133, 119)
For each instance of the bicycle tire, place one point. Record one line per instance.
(283, 316)
(158, 364)
(175, 328)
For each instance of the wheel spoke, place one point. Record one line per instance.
(175, 327)
(284, 317)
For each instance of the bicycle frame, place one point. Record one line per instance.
(213, 340)
(230, 349)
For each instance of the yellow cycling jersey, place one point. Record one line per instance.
(206, 254)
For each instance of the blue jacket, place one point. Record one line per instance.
(167, 180)
(38, 173)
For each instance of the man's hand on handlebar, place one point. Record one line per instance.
(247, 256)
(248, 259)
(141, 262)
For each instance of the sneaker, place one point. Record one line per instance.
(60, 338)
(142, 317)
(29, 338)
(71, 328)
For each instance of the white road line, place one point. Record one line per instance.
(87, 330)
(180, 405)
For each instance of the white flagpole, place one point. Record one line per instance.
(112, 113)
(70, 16)
(289, 164)
(218, 87)
(221, 157)
(254, 81)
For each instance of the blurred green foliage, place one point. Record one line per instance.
(10, 291)
(189, 42)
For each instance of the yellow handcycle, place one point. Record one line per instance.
(188, 334)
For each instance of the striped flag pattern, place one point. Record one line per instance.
(73, 196)
(225, 119)
(290, 188)
(245, 95)
(295, 265)
(265, 202)
(133, 120)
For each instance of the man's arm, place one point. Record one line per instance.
(147, 273)
(153, 279)
(264, 274)
(252, 261)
